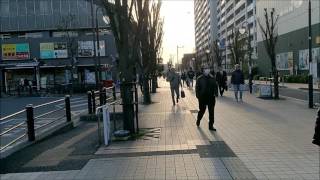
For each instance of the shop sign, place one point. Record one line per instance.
(15, 51)
(53, 50)
(86, 49)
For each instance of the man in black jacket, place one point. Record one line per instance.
(206, 91)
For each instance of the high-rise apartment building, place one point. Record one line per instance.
(205, 12)
(231, 16)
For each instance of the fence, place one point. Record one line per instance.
(29, 124)
(97, 99)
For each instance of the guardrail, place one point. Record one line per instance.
(105, 98)
(30, 130)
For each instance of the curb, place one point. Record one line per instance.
(44, 135)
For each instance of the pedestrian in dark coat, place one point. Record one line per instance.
(316, 136)
(206, 91)
(222, 79)
(237, 80)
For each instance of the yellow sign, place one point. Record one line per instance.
(8, 51)
(318, 40)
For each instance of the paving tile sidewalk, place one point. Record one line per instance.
(256, 139)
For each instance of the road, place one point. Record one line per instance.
(299, 94)
(11, 105)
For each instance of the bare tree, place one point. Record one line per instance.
(236, 46)
(270, 37)
(65, 27)
(121, 14)
(216, 52)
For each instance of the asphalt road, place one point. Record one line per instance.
(11, 105)
(299, 94)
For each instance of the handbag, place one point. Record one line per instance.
(183, 95)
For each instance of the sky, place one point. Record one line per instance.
(178, 28)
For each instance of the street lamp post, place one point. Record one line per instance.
(207, 53)
(310, 60)
(94, 45)
(242, 31)
(178, 55)
(98, 45)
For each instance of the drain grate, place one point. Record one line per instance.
(215, 149)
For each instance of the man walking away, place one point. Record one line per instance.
(184, 78)
(190, 75)
(222, 81)
(206, 91)
(237, 80)
(175, 80)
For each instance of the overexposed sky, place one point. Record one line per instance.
(178, 28)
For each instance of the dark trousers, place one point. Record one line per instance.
(202, 109)
(221, 89)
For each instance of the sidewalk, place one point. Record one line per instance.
(256, 139)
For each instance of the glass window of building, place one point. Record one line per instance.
(13, 9)
(65, 7)
(30, 7)
(4, 7)
(45, 7)
(22, 7)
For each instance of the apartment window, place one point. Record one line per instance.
(249, 2)
(250, 13)
(240, 9)
(4, 6)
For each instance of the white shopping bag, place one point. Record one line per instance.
(106, 124)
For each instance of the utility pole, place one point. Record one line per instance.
(310, 60)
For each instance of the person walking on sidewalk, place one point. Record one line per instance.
(237, 80)
(175, 80)
(190, 76)
(222, 79)
(206, 91)
(184, 78)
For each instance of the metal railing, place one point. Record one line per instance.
(30, 130)
(107, 96)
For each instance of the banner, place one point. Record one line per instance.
(15, 51)
(53, 50)
(304, 58)
(86, 49)
(284, 61)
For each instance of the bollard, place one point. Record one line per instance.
(101, 97)
(93, 97)
(136, 103)
(114, 92)
(89, 102)
(30, 122)
(68, 108)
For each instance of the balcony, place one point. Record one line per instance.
(240, 3)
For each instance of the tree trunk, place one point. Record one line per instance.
(146, 92)
(154, 83)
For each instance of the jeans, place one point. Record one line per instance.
(237, 89)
